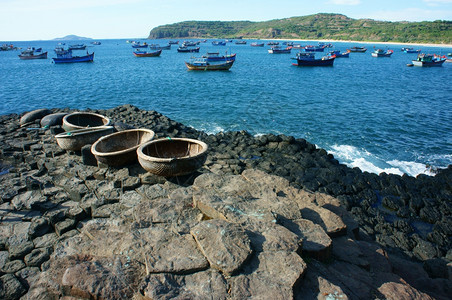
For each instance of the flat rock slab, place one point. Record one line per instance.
(269, 275)
(225, 245)
(316, 242)
(208, 284)
(330, 222)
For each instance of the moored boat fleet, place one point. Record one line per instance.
(306, 55)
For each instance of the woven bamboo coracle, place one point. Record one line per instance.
(172, 157)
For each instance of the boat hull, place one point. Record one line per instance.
(148, 54)
(188, 50)
(39, 56)
(438, 63)
(209, 67)
(120, 148)
(314, 63)
(74, 59)
(172, 157)
(76, 139)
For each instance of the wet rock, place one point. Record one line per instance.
(20, 250)
(39, 226)
(11, 287)
(64, 226)
(36, 257)
(88, 157)
(13, 266)
(436, 268)
(29, 200)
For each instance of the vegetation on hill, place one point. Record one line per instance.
(318, 26)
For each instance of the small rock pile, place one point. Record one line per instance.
(229, 231)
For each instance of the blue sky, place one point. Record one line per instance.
(23, 20)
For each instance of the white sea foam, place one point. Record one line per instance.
(366, 161)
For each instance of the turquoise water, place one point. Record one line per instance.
(373, 113)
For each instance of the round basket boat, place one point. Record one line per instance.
(172, 157)
(120, 148)
(80, 120)
(74, 140)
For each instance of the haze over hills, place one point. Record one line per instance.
(71, 37)
(319, 26)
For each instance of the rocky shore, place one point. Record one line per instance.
(267, 217)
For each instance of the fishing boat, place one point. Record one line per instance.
(279, 50)
(255, 44)
(30, 54)
(172, 157)
(120, 148)
(272, 43)
(173, 42)
(310, 48)
(65, 56)
(382, 53)
(96, 43)
(240, 42)
(81, 120)
(308, 59)
(410, 50)
(77, 47)
(202, 64)
(187, 49)
(357, 49)
(215, 56)
(6, 47)
(140, 53)
(158, 47)
(338, 53)
(189, 44)
(219, 43)
(428, 60)
(139, 45)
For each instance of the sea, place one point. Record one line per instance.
(376, 114)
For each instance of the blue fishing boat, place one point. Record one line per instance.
(139, 45)
(310, 48)
(338, 53)
(308, 60)
(429, 60)
(219, 43)
(65, 56)
(382, 53)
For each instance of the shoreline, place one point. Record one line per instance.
(366, 42)
(66, 196)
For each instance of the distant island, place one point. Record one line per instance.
(71, 37)
(321, 26)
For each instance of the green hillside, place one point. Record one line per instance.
(318, 26)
